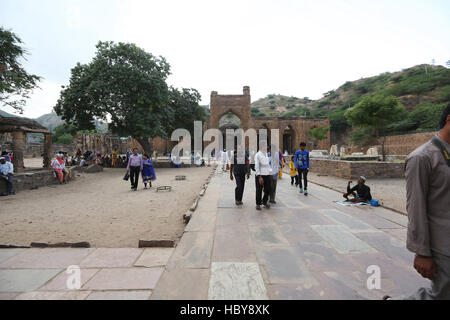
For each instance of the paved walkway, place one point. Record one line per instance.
(302, 248)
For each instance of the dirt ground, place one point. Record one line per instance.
(101, 209)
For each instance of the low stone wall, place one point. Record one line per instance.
(30, 180)
(43, 177)
(352, 170)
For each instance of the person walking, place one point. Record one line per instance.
(427, 173)
(302, 165)
(293, 172)
(275, 165)
(148, 171)
(240, 168)
(134, 168)
(263, 175)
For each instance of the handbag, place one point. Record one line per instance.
(126, 177)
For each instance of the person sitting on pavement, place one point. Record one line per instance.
(360, 192)
(6, 173)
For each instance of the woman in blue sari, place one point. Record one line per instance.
(148, 171)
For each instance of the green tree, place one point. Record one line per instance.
(183, 109)
(318, 134)
(63, 134)
(16, 84)
(376, 112)
(123, 83)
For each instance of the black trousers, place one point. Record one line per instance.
(240, 185)
(294, 178)
(303, 173)
(9, 183)
(134, 176)
(259, 190)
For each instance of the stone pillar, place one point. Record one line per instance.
(19, 141)
(48, 151)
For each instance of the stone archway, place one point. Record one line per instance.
(289, 140)
(239, 105)
(229, 121)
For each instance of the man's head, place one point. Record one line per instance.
(2, 160)
(146, 156)
(362, 180)
(303, 146)
(444, 124)
(135, 151)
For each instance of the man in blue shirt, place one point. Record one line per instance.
(302, 164)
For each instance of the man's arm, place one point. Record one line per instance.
(295, 159)
(307, 160)
(418, 169)
(129, 161)
(257, 169)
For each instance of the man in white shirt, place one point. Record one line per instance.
(6, 173)
(263, 175)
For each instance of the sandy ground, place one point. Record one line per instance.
(390, 192)
(101, 209)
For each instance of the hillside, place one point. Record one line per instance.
(7, 115)
(52, 120)
(424, 90)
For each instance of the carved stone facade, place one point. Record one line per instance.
(292, 130)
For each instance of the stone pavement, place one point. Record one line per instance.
(106, 274)
(302, 248)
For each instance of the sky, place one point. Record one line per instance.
(300, 48)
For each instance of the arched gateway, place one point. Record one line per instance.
(292, 130)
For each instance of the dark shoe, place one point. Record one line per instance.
(273, 202)
(4, 194)
(387, 298)
(258, 208)
(267, 206)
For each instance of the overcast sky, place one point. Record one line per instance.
(290, 47)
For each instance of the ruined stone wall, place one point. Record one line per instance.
(405, 144)
(354, 169)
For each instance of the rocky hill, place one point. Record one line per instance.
(52, 120)
(424, 90)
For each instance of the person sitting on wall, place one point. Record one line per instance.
(6, 156)
(6, 173)
(83, 162)
(360, 192)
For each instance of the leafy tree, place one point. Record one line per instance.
(361, 136)
(63, 134)
(183, 109)
(123, 83)
(318, 134)
(376, 112)
(16, 84)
